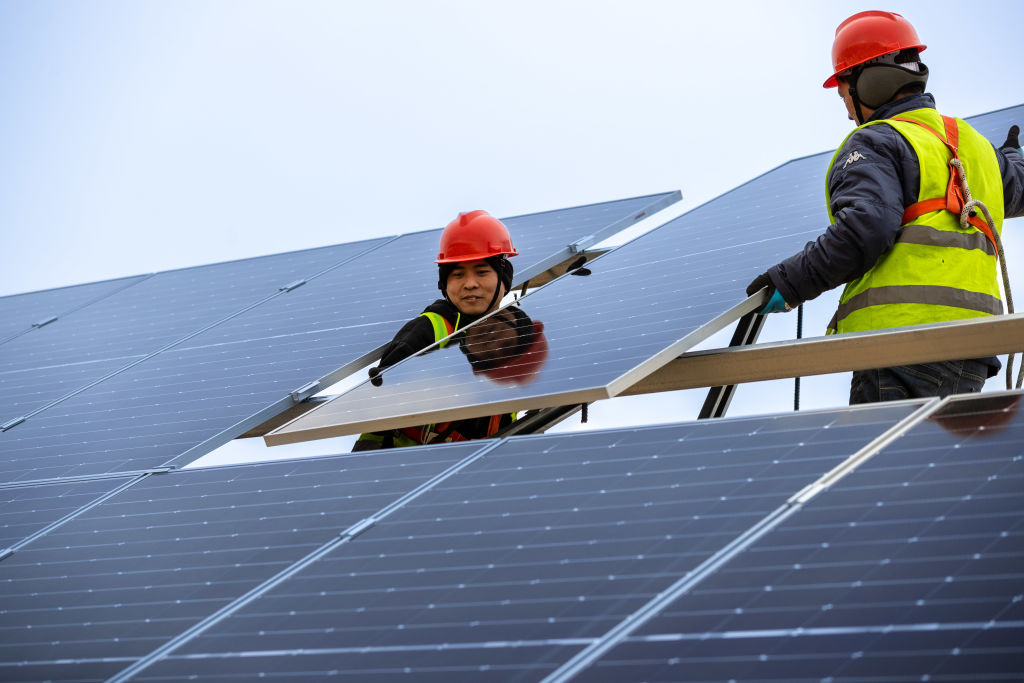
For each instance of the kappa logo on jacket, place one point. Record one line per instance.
(854, 156)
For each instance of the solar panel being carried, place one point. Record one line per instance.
(910, 568)
(506, 569)
(220, 380)
(644, 304)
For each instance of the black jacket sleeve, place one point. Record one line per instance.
(415, 335)
(869, 185)
(1011, 166)
(418, 333)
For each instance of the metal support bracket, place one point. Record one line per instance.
(12, 423)
(45, 321)
(581, 244)
(291, 285)
(359, 527)
(539, 421)
(748, 328)
(304, 392)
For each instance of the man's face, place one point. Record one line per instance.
(844, 92)
(471, 287)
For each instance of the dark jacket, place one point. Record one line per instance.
(418, 333)
(868, 199)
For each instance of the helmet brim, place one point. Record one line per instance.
(474, 257)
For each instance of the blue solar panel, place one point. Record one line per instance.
(205, 391)
(643, 305)
(530, 552)
(87, 599)
(136, 321)
(21, 313)
(995, 124)
(910, 568)
(28, 510)
(601, 328)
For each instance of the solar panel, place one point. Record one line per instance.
(995, 124)
(124, 328)
(910, 568)
(29, 510)
(111, 585)
(644, 304)
(608, 329)
(22, 313)
(532, 551)
(217, 384)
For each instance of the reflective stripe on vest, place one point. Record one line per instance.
(442, 328)
(936, 270)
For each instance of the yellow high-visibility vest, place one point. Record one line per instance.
(936, 270)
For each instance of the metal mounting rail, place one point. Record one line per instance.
(971, 338)
(747, 331)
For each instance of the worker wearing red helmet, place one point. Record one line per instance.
(900, 238)
(474, 273)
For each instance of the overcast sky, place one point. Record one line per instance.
(143, 136)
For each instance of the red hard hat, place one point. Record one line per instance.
(473, 236)
(868, 35)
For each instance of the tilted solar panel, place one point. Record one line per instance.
(910, 568)
(137, 321)
(603, 329)
(87, 599)
(644, 304)
(28, 510)
(220, 382)
(505, 570)
(22, 313)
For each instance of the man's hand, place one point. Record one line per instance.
(776, 304)
(1012, 139)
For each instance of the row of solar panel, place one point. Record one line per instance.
(524, 558)
(137, 372)
(158, 370)
(644, 304)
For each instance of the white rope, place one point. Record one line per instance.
(967, 213)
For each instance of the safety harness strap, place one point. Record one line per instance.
(954, 199)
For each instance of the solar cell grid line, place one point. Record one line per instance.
(22, 313)
(115, 583)
(189, 399)
(509, 568)
(122, 329)
(909, 568)
(608, 330)
(29, 510)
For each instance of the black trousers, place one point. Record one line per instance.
(921, 381)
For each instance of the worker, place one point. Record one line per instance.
(896, 238)
(474, 274)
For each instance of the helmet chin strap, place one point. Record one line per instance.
(855, 76)
(494, 299)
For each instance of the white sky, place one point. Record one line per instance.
(143, 136)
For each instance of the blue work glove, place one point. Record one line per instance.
(776, 304)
